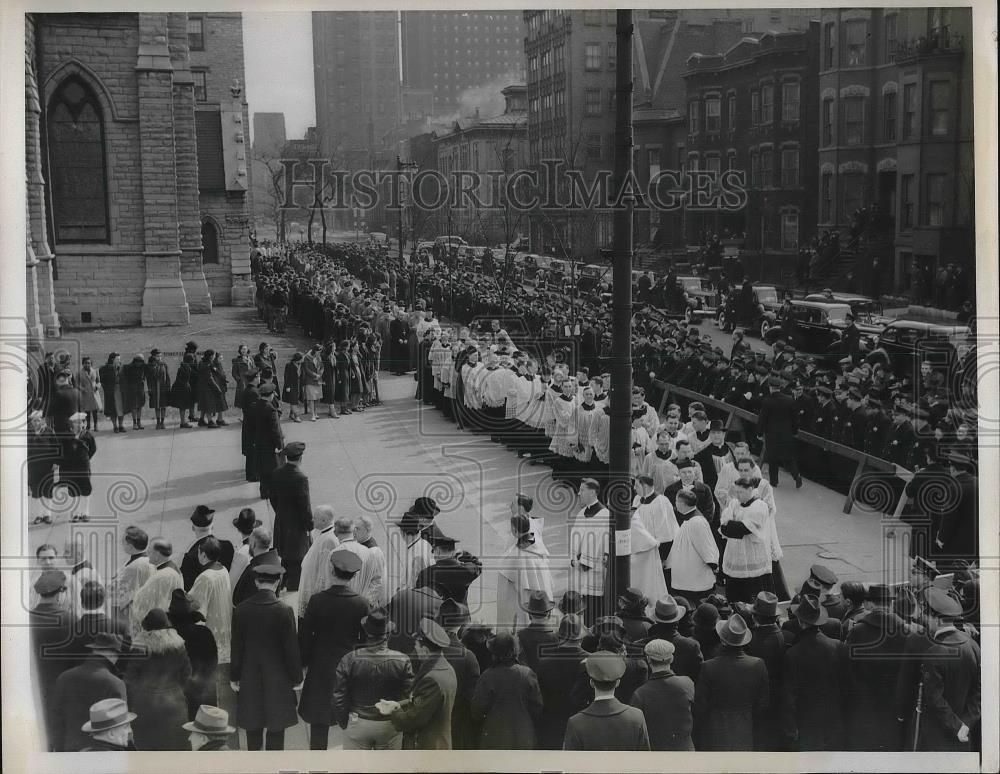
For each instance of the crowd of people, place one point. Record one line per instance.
(309, 618)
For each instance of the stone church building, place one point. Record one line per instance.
(137, 170)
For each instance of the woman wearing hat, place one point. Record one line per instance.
(156, 678)
(507, 702)
(523, 571)
(74, 465)
(181, 394)
(113, 382)
(158, 381)
(88, 382)
(343, 378)
(291, 393)
(314, 380)
(134, 389)
(202, 650)
(241, 364)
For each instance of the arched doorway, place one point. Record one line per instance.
(209, 242)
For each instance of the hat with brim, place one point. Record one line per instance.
(268, 572)
(734, 631)
(765, 605)
(572, 603)
(377, 624)
(432, 632)
(202, 516)
(246, 523)
(425, 507)
(539, 603)
(210, 721)
(107, 714)
(666, 610)
(810, 611)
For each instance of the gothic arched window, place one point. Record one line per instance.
(210, 242)
(76, 164)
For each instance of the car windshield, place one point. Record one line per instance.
(691, 283)
(767, 295)
(837, 314)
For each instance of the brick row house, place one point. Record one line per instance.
(136, 168)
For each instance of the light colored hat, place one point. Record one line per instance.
(107, 714)
(79, 416)
(659, 650)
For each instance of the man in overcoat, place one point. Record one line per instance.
(201, 525)
(51, 629)
(261, 552)
(251, 394)
(289, 495)
(425, 716)
(557, 669)
(330, 629)
(451, 574)
(777, 423)
(453, 617)
(731, 693)
(768, 644)
(687, 656)
(666, 699)
(607, 724)
(265, 665)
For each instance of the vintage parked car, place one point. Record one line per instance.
(819, 329)
(766, 303)
(701, 298)
(867, 311)
(905, 344)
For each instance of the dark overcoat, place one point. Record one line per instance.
(181, 395)
(450, 577)
(203, 653)
(952, 692)
(158, 384)
(875, 645)
(74, 465)
(113, 384)
(265, 661)
(688, 657)
(266, 442)
(507, 704)
(425, 717)
(291, 393)
(134, 385)
(44, 452)
(607, 725)
(245, 586)
(777, 422)
(557, 670)
(730, 697)
(75, 691)
(239, 372)
(814, 681)
(191, 568)
(63, 404)
(464, 731)
(51, 630)
(769, 645)
(667, 702)
(406, 609)
(156, 676)
(330, 629)
(288, 493)
(532, 638)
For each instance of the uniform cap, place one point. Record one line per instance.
(942, 603)
(50, 581)
(432, 632)
(824, 575)
(294, 449)
(269, 571)
(345, 561)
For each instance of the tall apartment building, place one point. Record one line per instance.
(269, 133)
(754, 108)
(896, 130)
(447, 52)
(356, 74)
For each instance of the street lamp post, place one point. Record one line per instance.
(400, 166)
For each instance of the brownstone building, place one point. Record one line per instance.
(896, 131)
(136, 168)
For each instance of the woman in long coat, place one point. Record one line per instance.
(74, 465)
(329, 377)
(155, 680)
(158, 382)
(207, 390)
(112, 382)
(181, 395)
(342, 389)
(202, 651)
(359, 386)
(44, 452)
(312, 379)
(134, 389)
(222, 382)
(507, 703)
(291, 393)
(241, 364)
(88, 383)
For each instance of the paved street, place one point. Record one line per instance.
(378, 462)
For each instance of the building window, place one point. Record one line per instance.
(546, 64)
(767, 168)
(560, 97)
(592, 56)
(755, 169)
(938, 108)
(77, 171)
(766, 104)
(829, 47)
(854, 194)
(940, 25)
(826, 198)
(906, 202)
(754, 108)
(532, 68)
(560, 58)
(612, 56)
(856, 42)
(200, 85)
(909, 111)
(790, 230)
(592, 104)
(790, 101)
(209, 242)
(713, 163)
(827, 122)
(654, 162)
(889, 116)
(196, 33)
(731, 160)
(854, 120)
(889, 28)
(592, 18)
(694, 123)
(732, 112)
(594, 146)
(713, 114)
(790, 167)
(934, 198)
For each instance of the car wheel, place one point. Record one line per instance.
(765, 326)
(722, 322)
(687, 315)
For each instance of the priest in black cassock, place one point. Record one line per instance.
(451, 574)
(715, 455)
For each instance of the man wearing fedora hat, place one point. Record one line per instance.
(210, 729)
(366, 675)
(539, 633)
(201, 526)
(667, 613)
(265, 667)
(666, 699)
(110, 727)
(246, 522)
(558, 668)
(424, 716)
(451, 574)
(454, 617)
(77, 689)
(607, 723)
(731, 693)
(288, 493)
(814, 675)
(768, 644)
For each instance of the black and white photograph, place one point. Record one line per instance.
(587, 383)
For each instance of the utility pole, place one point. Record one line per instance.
(400, 166)
(619, 497)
